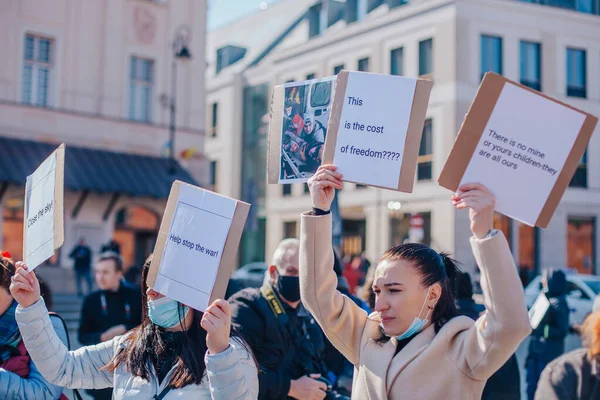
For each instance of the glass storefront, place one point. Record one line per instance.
(254, 164)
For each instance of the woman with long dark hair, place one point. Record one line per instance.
(176, 353)
(414, 346)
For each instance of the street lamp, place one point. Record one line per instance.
(181, 52)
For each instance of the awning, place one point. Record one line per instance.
(92, 170)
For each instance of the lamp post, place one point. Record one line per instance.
(181, 52)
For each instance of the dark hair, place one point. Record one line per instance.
(434, 268)
(464, 286)
(7, 270)
(145, 346)
(112, 256)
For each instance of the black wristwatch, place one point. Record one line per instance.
(318, 211)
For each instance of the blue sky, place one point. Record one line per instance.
(221, 12)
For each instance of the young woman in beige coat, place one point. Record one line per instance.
(414, 346)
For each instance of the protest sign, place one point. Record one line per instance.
(538, 310)
(375, 128)
(523, 145)
(43, 224)
(298, 128)
(197, 245)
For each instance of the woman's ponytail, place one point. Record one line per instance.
(445, 308)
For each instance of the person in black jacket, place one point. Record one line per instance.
(505, 384)
(82, 257)
(286, 340)
(575, 375)
(548, 339)
(111, 311)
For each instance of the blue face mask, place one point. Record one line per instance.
(164, 312)
(418, 324)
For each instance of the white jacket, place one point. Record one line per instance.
(230, 375)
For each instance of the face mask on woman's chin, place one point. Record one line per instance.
(164, 312)
(417, 325)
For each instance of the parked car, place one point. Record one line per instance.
(581, 291)
(250, 275)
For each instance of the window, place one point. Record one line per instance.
(310, 76)
(286, 189)
(314, 20)
(213, 175)
(214, 119)
(579, 180)
(576, 73)
(228, 55)
(531, 66)
(528, 252)
(363, 64)
(425, 160)
(359, 186)
(396, 3)
(425, 57)
(37, 69)
(491, 54)
(337, 69)
(581, 251)
(587, 6)
(140, 89)
(290, 229)
(373, 4)
(397, 61)
(401, 233)
(306, 189)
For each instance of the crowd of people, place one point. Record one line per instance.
(320, 327)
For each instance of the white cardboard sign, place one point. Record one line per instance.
(43, 225)
(538, 310)
(372, 128)
(194, 246)
(520, 151)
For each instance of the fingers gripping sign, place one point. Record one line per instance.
(216, 321)
(480, 202)
(24, 287)
(322, 186)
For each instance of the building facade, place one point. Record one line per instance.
(548, 45)
(100, 76)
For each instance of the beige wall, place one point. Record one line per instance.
(93, 42)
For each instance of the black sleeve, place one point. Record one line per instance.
(86, 334)
(558, 328)
(136, 309)
(72, 253)
(272, 384)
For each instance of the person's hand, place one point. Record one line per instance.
(308, 388)
(294, 147)
(322, 186)
(480, 202)
(113, 332)
(216, 321)
(24, 287)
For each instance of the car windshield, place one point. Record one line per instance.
(594, 285)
